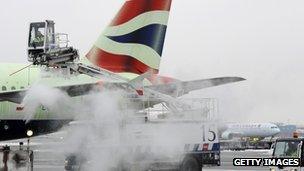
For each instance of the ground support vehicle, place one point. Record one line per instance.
(160, 139)
(16, 158)
(288, 148)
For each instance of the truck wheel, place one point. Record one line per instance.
(218, 163)
(190, 164)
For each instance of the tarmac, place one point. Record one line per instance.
(49, 154)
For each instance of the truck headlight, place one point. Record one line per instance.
(29, 133)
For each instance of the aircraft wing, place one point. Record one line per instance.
(172, 89)
(71, 90)
(177, 89)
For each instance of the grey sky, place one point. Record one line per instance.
(261, 40)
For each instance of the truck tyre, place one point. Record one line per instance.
(190, 164)
(218, 163)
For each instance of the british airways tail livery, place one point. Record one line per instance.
(134, 40)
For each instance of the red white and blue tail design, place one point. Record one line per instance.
(134, 40)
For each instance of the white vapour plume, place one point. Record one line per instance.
(97, 130)
(41, 96)
(105, 132)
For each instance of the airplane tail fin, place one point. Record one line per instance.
(134, 40)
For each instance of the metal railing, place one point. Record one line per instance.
(62, 39)
(199, 109)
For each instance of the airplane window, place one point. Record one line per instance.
(21, 87)
(3, 88)
(13, 88)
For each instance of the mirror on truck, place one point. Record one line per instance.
(300, 149)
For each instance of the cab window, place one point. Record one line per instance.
(37, 31)
(286, 149)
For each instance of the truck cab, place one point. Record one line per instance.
(41, 37)
(46, 47)
(289, 148)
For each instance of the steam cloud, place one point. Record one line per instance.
(107, 133)
(41, 96)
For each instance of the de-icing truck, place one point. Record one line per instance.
(159, 139)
